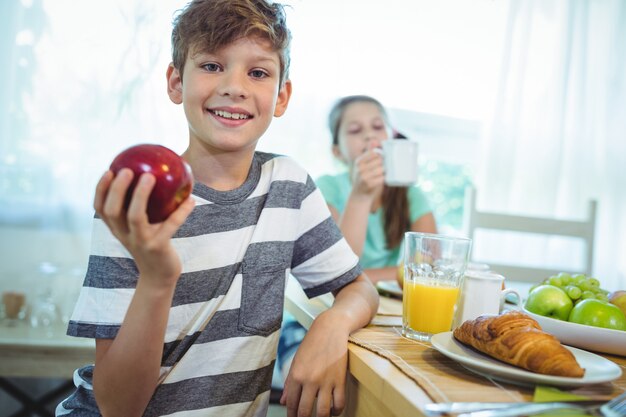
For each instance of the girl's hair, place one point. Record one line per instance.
(395, 200)
(208, 25)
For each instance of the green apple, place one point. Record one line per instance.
(550, 301)
(599, 314)
(618, 298)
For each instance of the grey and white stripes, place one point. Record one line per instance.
(237, 249)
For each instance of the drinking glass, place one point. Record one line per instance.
(434, 266)
(400, 161)
(44, 311)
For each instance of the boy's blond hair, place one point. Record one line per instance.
(209, 25)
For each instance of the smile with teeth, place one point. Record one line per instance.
(229, 115)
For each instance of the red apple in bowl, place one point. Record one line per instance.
(618, 298)
(174, 179)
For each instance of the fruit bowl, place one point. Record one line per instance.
(597, 339)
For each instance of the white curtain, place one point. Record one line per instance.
(558, 132)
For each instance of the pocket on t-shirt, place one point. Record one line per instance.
(262, 295)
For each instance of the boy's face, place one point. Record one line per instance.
(362, 128)
(231, 95)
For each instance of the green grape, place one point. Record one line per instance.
(573, 292)
(593, 282)
(587, 294)
(601, 291)
(579, 279)
(555, 280)
(565, 278)
(602, 297)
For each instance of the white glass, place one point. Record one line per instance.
(400, 161)
(482, 293)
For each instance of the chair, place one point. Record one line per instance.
(580, 229)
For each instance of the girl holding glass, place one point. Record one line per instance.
(372, 216)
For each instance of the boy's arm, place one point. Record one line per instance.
(127, 367)
(320, 365)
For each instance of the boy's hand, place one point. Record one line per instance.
(149, 244)
(321, 362)
(318, 370)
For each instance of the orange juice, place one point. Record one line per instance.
(428, 308)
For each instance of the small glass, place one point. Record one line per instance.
(14, 305)
(44, 311)
(66, 291)
(433, 273)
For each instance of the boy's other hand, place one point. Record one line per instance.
(318, 370)
(149, 244)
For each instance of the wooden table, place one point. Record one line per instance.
(377, 387)
(40, 352)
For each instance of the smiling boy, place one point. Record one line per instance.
(186, 313)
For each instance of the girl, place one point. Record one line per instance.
(372, 216)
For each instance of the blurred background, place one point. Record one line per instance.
(526, 100)
(523, 99)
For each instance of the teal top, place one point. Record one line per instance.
(337, 188)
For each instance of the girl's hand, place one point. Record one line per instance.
(368, 174)
(149, 244)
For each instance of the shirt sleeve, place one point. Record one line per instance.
(322, 260)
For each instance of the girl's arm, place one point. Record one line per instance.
(425, 224)
(368, 178)
(353, 221)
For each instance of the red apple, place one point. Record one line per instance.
(174, 180)
(618, 298)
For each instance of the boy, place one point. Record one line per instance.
(186, 313)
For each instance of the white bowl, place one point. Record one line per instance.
(593, 338)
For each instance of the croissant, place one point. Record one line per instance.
(517, 339)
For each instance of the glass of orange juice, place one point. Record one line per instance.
(434, 266)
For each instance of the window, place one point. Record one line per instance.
(85, 80)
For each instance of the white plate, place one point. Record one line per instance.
(389, 287)
(585, 337)
(597, 368)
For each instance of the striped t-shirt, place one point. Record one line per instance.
(237, 248)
